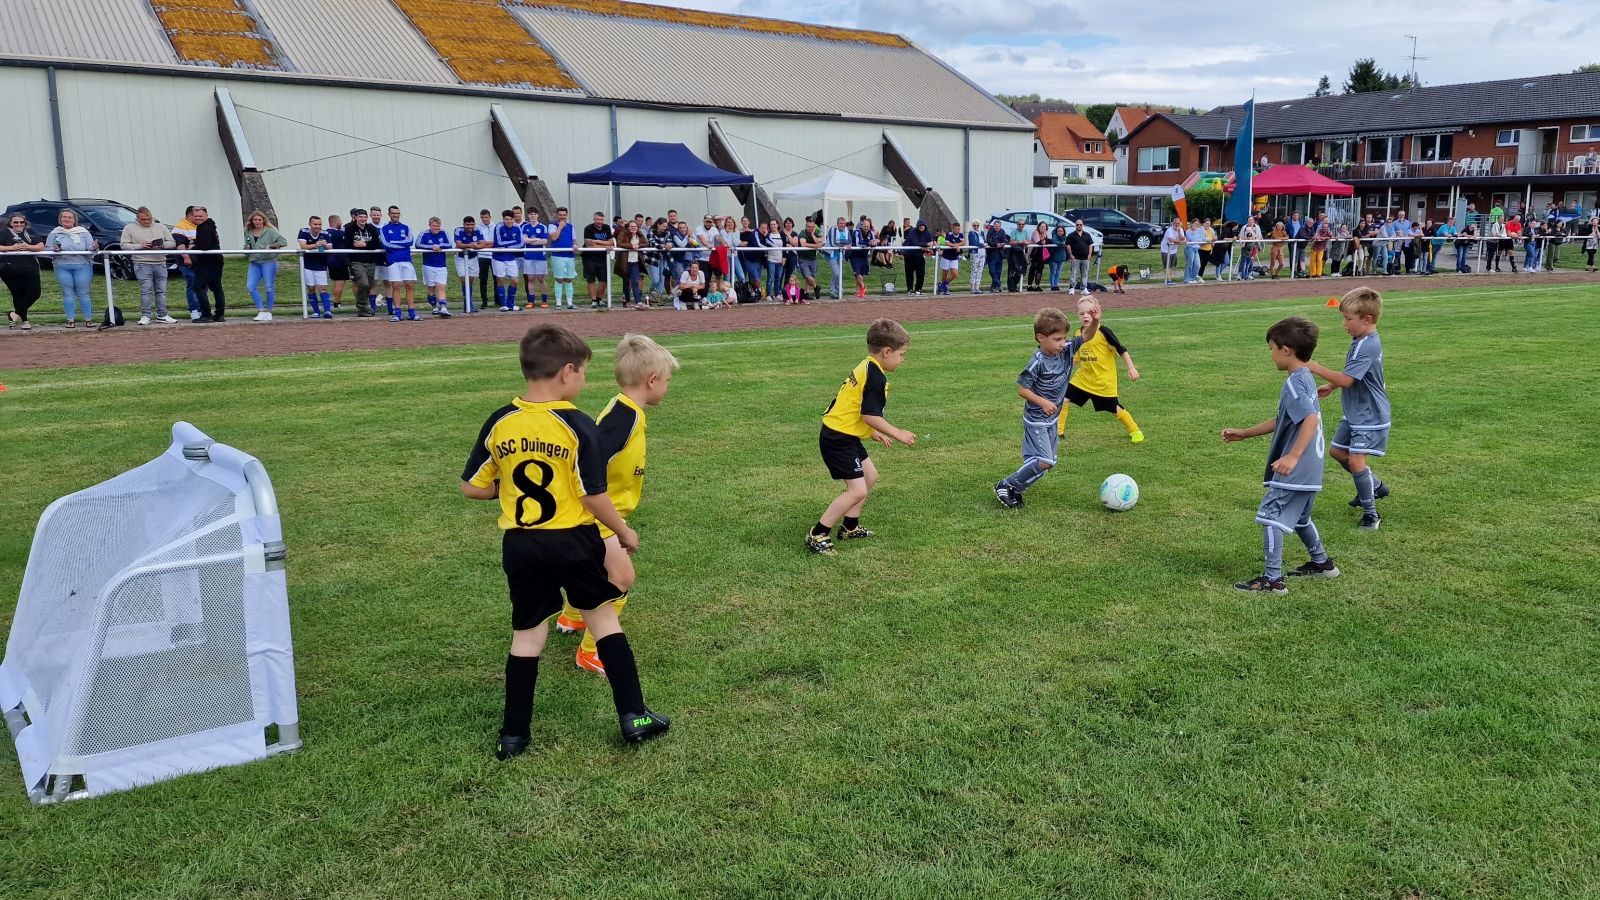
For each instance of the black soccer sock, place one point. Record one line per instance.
(820, 530)
(851, 523)
(621, 672)
(521, 674)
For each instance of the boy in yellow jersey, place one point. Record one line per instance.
(1095, 378)
(644, 372)
(855, 413)
(541, 457)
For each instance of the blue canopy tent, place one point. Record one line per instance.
(657, 164)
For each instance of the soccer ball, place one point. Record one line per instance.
(1119, 492)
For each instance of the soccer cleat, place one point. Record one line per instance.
(590, 662)
(565, 625)
(1261, 585)
(1314, 570)
(1370, 522)
(854, 534)
(819, 544)
(1008, 498)
(1378, 493)
(510, 746)
(1137, 437)
(642, 726)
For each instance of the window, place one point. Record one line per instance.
(1432, 148)
(1160, 159)
(1382, 149)
(1586, 133)
(1205, 157)
(1585, 199)
(1294, 153)
(1069, 172)
(1339, 152)
(1099, 171)
(1509, 137)
(1092, 146)
(1372, 200)
(1443, 201)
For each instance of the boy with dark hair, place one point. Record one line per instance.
(1294, 461)
(468, 239)
(563, 267)
(1364, 426)
(541, 457)
(507, 262)
(535, 266)
(1042, 386)
(1095, 379)
(855, 413)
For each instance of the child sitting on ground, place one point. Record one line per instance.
(791, 292)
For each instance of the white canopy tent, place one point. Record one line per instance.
(841, 187)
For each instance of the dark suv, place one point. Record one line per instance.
(1117, 226)
(104, 219)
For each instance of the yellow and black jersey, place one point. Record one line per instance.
(864, 393)
(1096, 364)
(622, 442)
(547, 458)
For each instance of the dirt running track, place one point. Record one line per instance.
(49, 346)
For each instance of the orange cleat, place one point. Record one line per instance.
(568, 626)
(590, 662)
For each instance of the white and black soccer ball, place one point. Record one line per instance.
(1119, 492)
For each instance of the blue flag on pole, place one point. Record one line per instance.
(1237, 208)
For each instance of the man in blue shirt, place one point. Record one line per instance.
(397, 257)
(507, 260)
(314, 266)
(535, 267)
(468, 239)
(563, 266)
(435, 268)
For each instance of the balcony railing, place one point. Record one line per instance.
(1468, 167)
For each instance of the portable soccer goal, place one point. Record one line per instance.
(151, 639)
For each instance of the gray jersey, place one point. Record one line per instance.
(1366, 403)
(1047, 376)
(1296, 402)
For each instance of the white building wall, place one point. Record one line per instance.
(152, 140)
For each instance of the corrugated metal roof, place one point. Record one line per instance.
(116, 30)
(370, 40)
(655, 62)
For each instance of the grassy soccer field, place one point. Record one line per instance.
(978, 702)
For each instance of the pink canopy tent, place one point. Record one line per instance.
(1298, 180)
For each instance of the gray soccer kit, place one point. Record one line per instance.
(1286, 506)
(1364, 428)
(1046, 376)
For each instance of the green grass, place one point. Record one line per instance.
(978, 702)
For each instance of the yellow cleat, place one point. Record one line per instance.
(1137, 437)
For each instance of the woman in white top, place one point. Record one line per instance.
(1249, 246)
(691, 286)
(74, 268)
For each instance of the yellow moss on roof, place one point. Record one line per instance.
(215, 31)
(717, 20)
(484, 44)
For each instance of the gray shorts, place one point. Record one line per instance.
(1284, 509)
(1368, 442)
(1039, 441)
(808, 269)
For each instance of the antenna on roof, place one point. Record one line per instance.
(1414, 58)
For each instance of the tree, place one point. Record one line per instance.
(1112, 136)
(1365, 77)
(1324, 87)
(1590, 69)
(1099, 114)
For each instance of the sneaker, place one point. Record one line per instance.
(1260, 585)
(1370, 522)
(395, 317)
(819, 544)
(266, 316)
(1169, 284)
(1314, 570)
(505, 309)
(643, 725)
(166, 320)
(1137, 437)
(1007, 497)
(194, 315)
(590, 662)
(565, 625)
(1378, 493)
(854, 534)
(260, 316)
(327, 315)
(444, 312)
(219, 317)
(510, 746)
(144, 320)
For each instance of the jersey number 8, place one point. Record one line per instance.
(536, 491)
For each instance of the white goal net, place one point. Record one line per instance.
(151, 639)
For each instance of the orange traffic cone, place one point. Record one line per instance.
(1332, 301)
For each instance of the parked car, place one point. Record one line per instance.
(1117, 226)
(104, 219)
(1032, 217)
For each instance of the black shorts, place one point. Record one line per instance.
(1078, 397)
(842, 454)
(540, 563)
(594, 267)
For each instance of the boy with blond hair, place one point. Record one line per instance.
(855, 413)
(1294, 461)
(1042, 387)
(1364, 427)
(1094, 379)
(541, 458)
(644, 372)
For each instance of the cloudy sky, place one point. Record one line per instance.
(1198, 55)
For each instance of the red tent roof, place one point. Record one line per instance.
(1297, 180)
